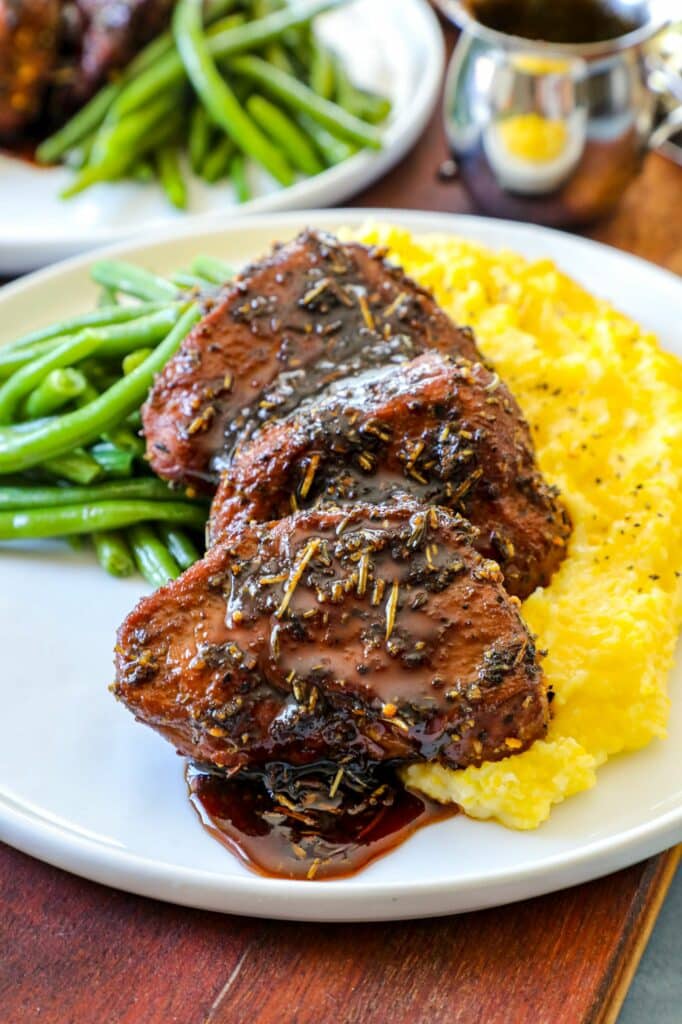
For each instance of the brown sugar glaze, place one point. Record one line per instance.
(333, 837)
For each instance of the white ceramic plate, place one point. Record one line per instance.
(84, 787)
(392, 46)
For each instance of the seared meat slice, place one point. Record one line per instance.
(28, 48)
(110, 34)
(441, 429)
(356, 636)
(314, 311)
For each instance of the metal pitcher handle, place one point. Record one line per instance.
(667, 84)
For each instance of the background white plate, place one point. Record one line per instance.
(392, 46)
(84, 787)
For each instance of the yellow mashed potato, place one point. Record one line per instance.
(605, 407)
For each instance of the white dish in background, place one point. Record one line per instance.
(84, 787)
(392, 46)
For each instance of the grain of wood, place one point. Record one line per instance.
(77, 953)
(646, 908)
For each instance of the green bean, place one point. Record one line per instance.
(345, 92)
(214, 9)
(167, 130)
(199, 138)
(89, 117)
(107, 297)
(56, 390)
(142, 171)
(20, 450)
(276, 55)
(22, 496)
(87, 395)
(170, 69)
(148, 56)
(102, 317)
(101, 375)
(120, 340)
(75, 466)
(296, 41)
(365, 105)
(132, 280)
(26, 427)
(334, 150)
(218, 24)
(124, 438)
(217, 163)
(113, 553)
(15, 360)
(77, 158)
(189, 281)
(116, 132)
(294, 143)
(216, 95)
(170, 175)
(182, 549)
(92, 114)
(114, 342)
(124, 142)
(153, 559)
(130, 99)
(30, 376)
(276, 25)
(113, 461)
(225, 25)
(25, 524)
(259, 8)
(240, 182)
(86, 120)
(322, 80)
(214, 270)
(300, 98)
(134, 359)
(374, 108)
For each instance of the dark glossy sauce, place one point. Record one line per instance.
(556, 21)
(331, 837)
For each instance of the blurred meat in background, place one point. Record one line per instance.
(29, 32)
(54, 54)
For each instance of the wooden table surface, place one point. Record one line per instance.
(72, 952)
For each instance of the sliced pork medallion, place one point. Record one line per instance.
(314, 311)
(28, 52)
(361, 637)
(443, 430)
(110, 34)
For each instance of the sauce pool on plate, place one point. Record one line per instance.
(329, 834)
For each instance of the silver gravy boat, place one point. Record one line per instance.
(550, 132)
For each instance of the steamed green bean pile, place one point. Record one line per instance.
(71, 456)
(231, 84)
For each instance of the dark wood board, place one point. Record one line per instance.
(72, 952)
(76, 953)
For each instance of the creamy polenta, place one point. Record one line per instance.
(605, 407)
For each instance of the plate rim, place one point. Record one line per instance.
(412, 218)
(21, 252)
(35, 834)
